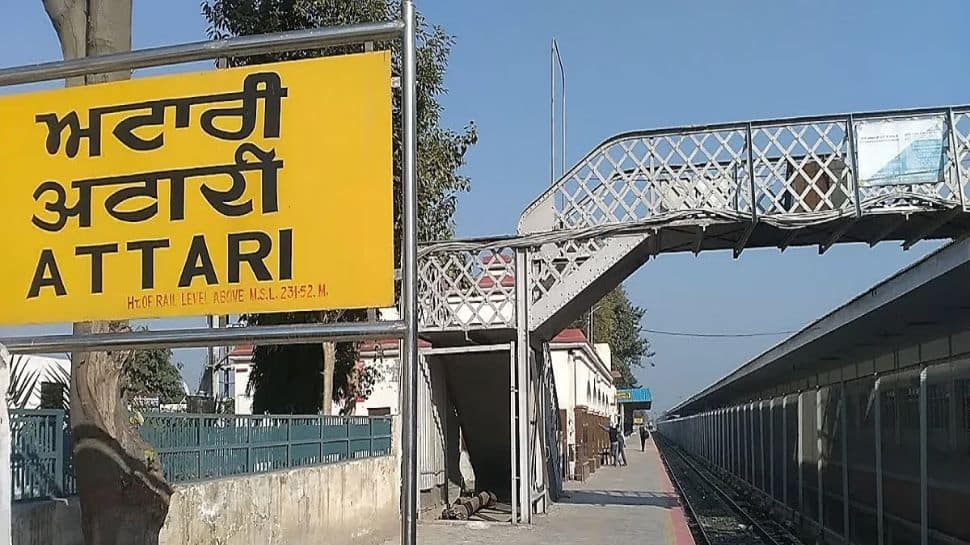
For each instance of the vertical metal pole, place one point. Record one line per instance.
(250, 462)
(784, 449)
(771, 448)
(735, 435)
(801, 453)
(524, 387)
(409, 276)
(749, 137)
(347, 450)
(6, 449)
(761, 439)
(552, 112)
(956, 156)
(513, 432)
(716, 415)
(323, 437)
(877, 422)
(743, 443)
(720, 435)
(723, 447)
(289, 437)
(562, 152)
(554, 58)
(751, 445)
(58, 452)
(844, 435)
(738, 449)
(370, 443)
(924, 526)
(210, 323)
(819, 415)
(711, 451)
(854, 164)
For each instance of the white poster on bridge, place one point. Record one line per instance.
(900, 151)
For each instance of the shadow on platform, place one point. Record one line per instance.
(619, 497)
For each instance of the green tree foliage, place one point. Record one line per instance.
(617, 321)
(287, 379)
(151, 373)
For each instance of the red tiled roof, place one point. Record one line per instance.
(493, 258)
(242, 350)
(571, 335)
(488, 282)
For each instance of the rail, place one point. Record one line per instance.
(779, 536)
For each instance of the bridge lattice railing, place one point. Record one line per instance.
(466, 288)
(789, 172)
(767, 169)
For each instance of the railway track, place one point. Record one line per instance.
(720, 514)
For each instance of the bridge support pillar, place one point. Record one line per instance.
(523, 388)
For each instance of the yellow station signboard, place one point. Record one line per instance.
(256, 189)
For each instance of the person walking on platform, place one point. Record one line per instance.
(614, 434)
(621, 444)
(644, 435)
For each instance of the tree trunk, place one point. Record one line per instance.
(329, 363)
(124, 496)
(6, 482)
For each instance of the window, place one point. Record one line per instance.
(52, 395)
(937, 406)
(963, 394)
(227, 386)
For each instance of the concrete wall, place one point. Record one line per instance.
(47, 523)
(350, 503)
(340, 504)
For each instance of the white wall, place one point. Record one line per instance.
(386, 384)
(47, 371)
(581, 382)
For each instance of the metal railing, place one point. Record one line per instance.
(195, 447)
(467, 289)
(762, 169)
(40, 454)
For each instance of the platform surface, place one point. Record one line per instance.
(628, 505)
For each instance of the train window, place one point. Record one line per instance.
(909, 407)
(937, 406)
(963, 393)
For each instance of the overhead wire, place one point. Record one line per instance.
(719, 335)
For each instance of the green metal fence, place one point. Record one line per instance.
(40, 458)
(193, 447)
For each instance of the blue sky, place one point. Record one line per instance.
(635, 64)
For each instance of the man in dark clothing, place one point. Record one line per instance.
(614, 436)
(644, 435)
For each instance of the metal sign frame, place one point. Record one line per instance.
(405, 329)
